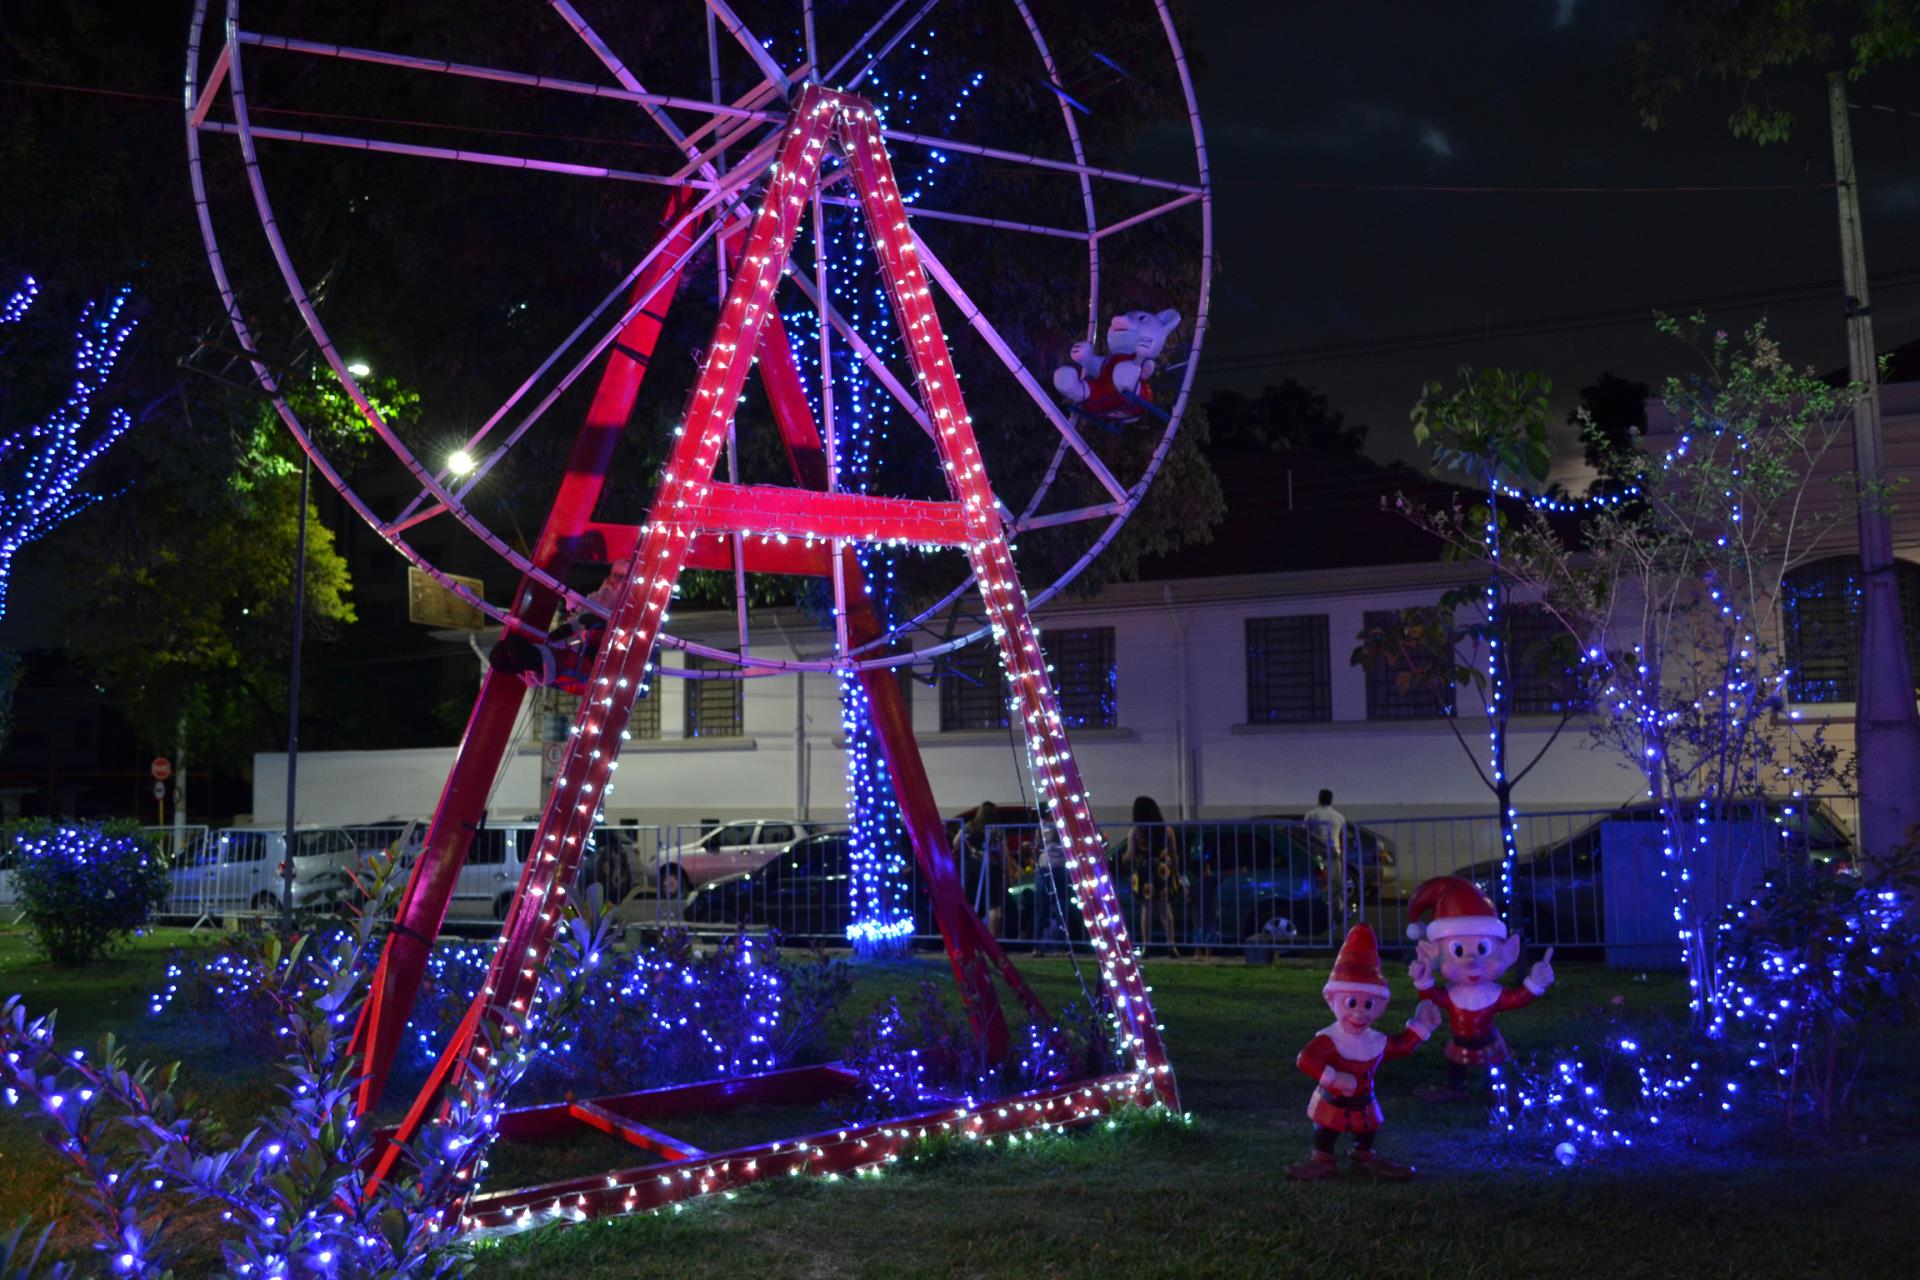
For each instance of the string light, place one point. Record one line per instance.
(42, 463)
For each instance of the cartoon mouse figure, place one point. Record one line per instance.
(1113, 386)
(1468, 947)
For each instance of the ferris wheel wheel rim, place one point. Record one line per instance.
(747, 664)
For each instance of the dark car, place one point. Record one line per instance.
(1372, 861)
(1558, 893)
(1258, 879)
(801, 893)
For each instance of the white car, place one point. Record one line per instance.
(492, 870)
(244, 869)
(729, 850)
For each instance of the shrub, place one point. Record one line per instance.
(158, 1182)
(1822, 964)
(926, 1051)
(84, 886)
(661, 1015)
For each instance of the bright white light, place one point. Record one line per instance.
(460, 462)
(359, 368)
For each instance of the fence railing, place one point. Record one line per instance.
(1583, 878)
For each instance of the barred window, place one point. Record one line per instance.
(1820, 614)
(973, 692)
(644, 723)
(1084, 676)
(1538, 683)
(1288, 676)
(1385, 701)
(713, 705)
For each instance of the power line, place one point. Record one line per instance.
(1806, 291)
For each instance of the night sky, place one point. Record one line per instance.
(1529, 94)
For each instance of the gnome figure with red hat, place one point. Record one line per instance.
(1468, 947)
(1344, 1056)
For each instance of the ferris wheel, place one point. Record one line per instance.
(771, 122)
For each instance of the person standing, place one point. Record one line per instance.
(1153, 868)
(1051, 894)
(1329, 826)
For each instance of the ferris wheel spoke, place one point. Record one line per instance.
(747, 40)
(749, 169)
(999, 224)
(1159, 210)
(1075, 516)
(866, 38)
(1038, 162)
(1023, 375)
(1046, 481)
(475, 71)
(869, 357)
(463, 155)
(891, 43)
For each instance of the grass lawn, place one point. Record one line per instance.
(1165, 1200)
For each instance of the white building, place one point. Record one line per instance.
(1219, 691)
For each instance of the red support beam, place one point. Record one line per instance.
(802, 513)
(622, 665)
(632, 1132)
(489, 732)
(850, 1150)
(971, 948)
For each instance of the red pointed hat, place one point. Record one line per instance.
(1458, 907)
(1357, 969)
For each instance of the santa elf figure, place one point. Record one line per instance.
(1343, 1058)
(1467, 947)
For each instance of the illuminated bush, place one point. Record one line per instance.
(85, 886)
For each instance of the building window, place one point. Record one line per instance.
(713, 704)
(1539, 649)
(1385, 699)
(1084, 677)
(1820, 615)
(973, 692)
(644, 722)
(1288, 678)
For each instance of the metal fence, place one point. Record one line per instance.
(1582, 878)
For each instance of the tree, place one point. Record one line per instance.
(43, 461)
(1291, 415)
(188, 619)
(1750, 43)
(1493, 429)
(1611, 418)
(1674, 600)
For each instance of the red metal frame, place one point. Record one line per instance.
(688, 504)
(489, 732)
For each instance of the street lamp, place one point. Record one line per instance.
(461, 463)
(359, 368)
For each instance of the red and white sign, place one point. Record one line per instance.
(162, 769)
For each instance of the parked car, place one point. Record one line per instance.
(730, 849)
(1558, 894)
(1260, 879)
(1372, 860)
(495, 859)
(801, 891)
(244, 869)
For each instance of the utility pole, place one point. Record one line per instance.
(1886, 721)
(293, 692)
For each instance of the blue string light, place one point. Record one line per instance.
(41, 464)
(880, 922)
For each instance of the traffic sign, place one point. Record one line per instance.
(162, 769)
(159, 791)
